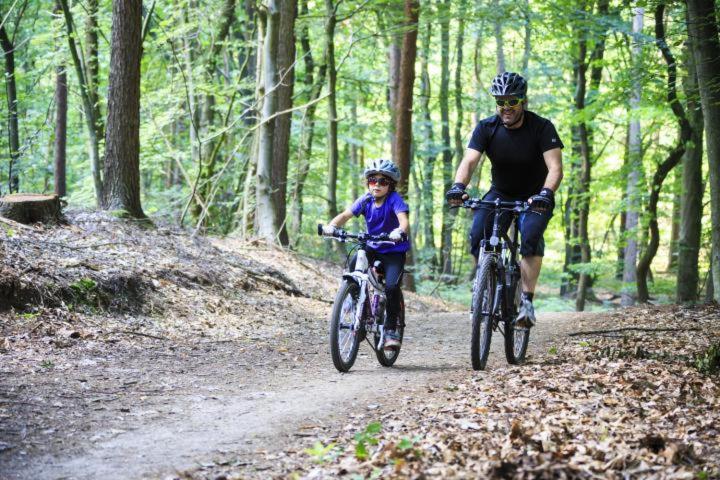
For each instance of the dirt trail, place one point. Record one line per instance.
(224, 402)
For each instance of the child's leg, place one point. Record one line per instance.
(394, 264)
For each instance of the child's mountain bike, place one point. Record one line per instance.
(358, 311)
(496, 296)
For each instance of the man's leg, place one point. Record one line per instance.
(532, 249)
(529, 272)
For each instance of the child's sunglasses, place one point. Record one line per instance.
(382, 181)
(513, 102)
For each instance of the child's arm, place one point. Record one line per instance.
(337, 222)
(404, 228)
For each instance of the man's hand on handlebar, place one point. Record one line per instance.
(456, 194)
(543, 202)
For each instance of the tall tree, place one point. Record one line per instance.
(60, 141)
(447, 149)
(210, 149)
(121, 190)
(585, 133)
(59, 149)
(90, 116)
(499, 43)
(669, 163)
(313, 81)
(634, 166)
(8, 46)
(428, 142)
(703, 28)
(691, 207)
(281, 140)
(266, 219)
(330, 22)
(404, 104)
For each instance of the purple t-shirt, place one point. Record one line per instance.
(382, 219)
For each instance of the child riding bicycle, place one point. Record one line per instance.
(385, 211)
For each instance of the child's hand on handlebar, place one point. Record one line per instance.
(397, 235)
(329, 230)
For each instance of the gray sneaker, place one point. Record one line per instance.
(526, 315)
(392, 340)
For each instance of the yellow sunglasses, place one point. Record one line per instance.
(512, 103)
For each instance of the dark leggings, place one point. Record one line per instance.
(393, 264)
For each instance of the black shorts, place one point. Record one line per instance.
(532, 227)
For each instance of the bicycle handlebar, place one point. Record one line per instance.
(478, 203)
(343, 236)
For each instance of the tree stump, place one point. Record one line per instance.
(31, 207)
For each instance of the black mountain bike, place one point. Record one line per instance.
(496, 296)
(358, 311)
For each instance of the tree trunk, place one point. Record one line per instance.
(459, 81)
(281, 142)
(330, 21)
(210, 148)
(122, 140)
(31, 208)
(691, 208)
(307, 129)
(428, 143)
(586, 134)
(93, 65)
(669, 163)
(528, 32)
(499, 44)
(403, 109)
(447, 150)
(266, 220)
(703, 28)
(91, 119)
(634, 166)
(59, 149)
(12, 103)
(675, 219)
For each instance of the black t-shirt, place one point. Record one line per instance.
(516, 155)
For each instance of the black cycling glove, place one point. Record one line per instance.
(543, 202)
(456, 192)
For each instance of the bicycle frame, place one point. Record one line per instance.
(505, 250)
(368, 284)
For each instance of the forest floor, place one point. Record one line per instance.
(134, 352)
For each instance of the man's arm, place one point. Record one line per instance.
(467, 166)
(553, 160)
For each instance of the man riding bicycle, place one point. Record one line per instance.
(525, 153)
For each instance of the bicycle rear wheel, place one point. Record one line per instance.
(516, 339)
(482, 314)
(387, 357)
(344, 339)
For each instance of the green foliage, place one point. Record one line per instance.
(184, 66)
(47, 364)
(321, 453)
(708, 362)
(365, 438)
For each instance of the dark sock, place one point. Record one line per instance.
(528, 295)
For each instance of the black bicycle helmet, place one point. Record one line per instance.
(508, 83)
(384, 167)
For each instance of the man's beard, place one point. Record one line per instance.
(512, 124)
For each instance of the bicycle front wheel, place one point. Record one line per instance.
(482, 312)
(344, 339)
(516, 338)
